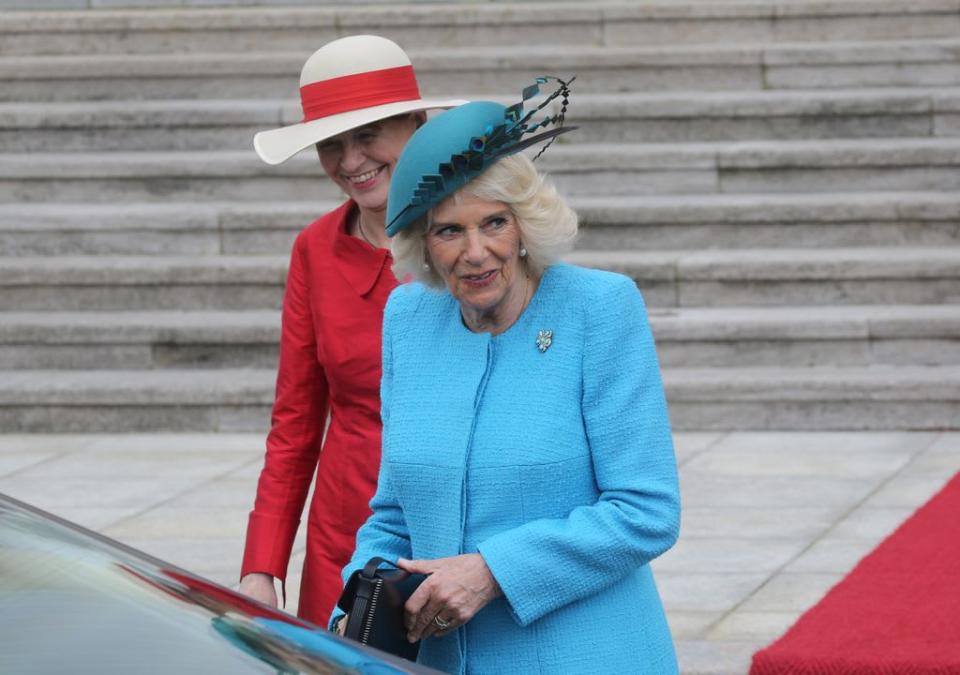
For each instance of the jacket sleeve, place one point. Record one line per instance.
(296, 432)
(385, 532)
(548, 563)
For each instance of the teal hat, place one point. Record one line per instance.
(459, 144)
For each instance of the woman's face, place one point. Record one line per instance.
(361, 161)
(474, 245)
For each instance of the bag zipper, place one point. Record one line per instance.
(370, 612)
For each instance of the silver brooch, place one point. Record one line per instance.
(544, 340)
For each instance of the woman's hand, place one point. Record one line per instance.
(260, 587)
(456, 589)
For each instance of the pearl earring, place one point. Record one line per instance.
(523, 252)
(426, 267)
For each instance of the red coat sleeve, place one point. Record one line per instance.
(296, 431)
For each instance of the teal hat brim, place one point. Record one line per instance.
(458, 145)
(433, 166)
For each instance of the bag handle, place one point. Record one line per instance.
(352, 591)
(373, 564)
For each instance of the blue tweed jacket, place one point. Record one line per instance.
(557, 466)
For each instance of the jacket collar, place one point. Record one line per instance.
(358, 262)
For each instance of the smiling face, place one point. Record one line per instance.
(361, 161)
(474, 246)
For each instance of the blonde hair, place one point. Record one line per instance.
(547, 225)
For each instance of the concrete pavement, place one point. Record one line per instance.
(771, 520)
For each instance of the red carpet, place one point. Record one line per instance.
(896, 613)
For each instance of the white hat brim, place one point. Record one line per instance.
(278, 145)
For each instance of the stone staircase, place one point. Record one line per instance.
(780, 178)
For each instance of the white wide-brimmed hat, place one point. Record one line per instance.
(346, 84)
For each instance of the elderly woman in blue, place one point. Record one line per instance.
(527, 463)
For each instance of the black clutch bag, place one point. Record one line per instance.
(374, 598)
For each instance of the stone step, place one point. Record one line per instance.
(879, 397)
(159, 177)
(195, 29)
(136, 400)
(607, 223)
(772, 277)
(696, 337)
(139, 340)
(594, 169)
(105, 5)
(749, 116)
(605, 118)
(135, 283)
(151, 228)
(97, 126)
(480, 70)
(756, 277)
(803, 336)
(734, 221)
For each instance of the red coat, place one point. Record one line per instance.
(337, 287)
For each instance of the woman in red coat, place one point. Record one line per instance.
(361, 104)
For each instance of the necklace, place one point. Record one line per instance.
(524, 303)
(360, 228)
(362, 233)
(527, 295)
